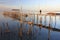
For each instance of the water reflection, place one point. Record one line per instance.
(18, 30)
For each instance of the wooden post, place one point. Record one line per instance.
(30, 28)
(34, 18)
(55, 22)
(21, 15)
(0, 31)
(48, 34)
(49, 28)
(7, 25)
(37, 18)
(41, 22)
(45, 20)
(7, 29)
(30, 31)
(4, 27)
(20, 32)
(40, 19)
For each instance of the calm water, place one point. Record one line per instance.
(37, 33)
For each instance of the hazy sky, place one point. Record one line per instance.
(9, 3)
(49, 5)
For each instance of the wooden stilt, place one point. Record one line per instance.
(34, 18)
(41, 22)
(49, 29)
(30, 28)
(55, 22)
(7, 29)
(37, 18)
(45, 20)
(20, 34)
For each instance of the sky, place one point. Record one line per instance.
(4, 4)
(46, 5)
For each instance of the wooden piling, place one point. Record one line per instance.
(45, 20)
(40, 21)
(0, 31)
(49, 34)
(20, 31)
(55, 22)
(30, 27)
(37, 18)
(49, 28)
(34, 18)
(7, 29)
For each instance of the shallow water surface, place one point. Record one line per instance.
(37, 33)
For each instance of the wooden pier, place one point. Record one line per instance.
(31, 23)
